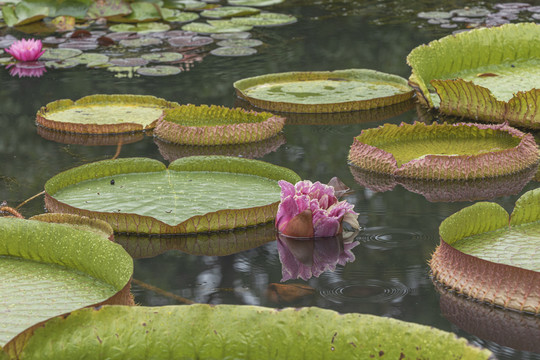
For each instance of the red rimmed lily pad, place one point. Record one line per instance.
(46, 271)
(102, 114)
(493, 257)
(216, 125)
(488, 74)
(444, 151)
(195, 194)
(324, 91)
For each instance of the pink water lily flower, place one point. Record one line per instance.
(312, 210)
(26, 49)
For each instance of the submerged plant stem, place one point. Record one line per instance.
(162, 292)
(118, 149)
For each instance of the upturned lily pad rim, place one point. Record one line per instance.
(100, 100)
(220, 331)
(494, 283)
(439, 166)
(350, 74)
(139, 224)
(237, 126)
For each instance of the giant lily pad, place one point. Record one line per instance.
(483, 257)
(324, 91)
(195, 194)
(488, 74)
(245, 332)
(46, 270)
(103, 114)
(216, 125)
(444, 151)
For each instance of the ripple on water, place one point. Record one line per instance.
(366, 291)
(385, 238)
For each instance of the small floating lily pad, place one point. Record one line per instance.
(163, 56)
(159, 70)
(487, 74)
(484, 258)
(190, 41)
(324, 91)
(129, 62)
(217, 26)
(240, 42)
(46, 272)
(136, 43)
(233, 35)
(99, 114)
(229, 11)
(444, 151)
(435, 15)
(142, 28)
(242, 332)
(89, 59)
(233, 51)
(265, 19)
(178, 16)
(60, 54)
(195, 194)
(254, 2)
(216, 125)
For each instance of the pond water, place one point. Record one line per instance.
(389, 276)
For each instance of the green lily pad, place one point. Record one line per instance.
(185, 4)
(444, 151)
(140, 42)
(60, 54)
(233, 35)
(324, 91)
(435, 15)
(46, 272)
(163, 56)
(246, 332)
(89, 59)
(141, 28)
(254, 2)
(24, 13)
(265, 19)
(140, 12)
(196, 194)
(482, 257)
(233, 51)
(216, 125)
(240, 43)
(488, 74)
(108, 8)
(229, 11)
(217, 26)
(159, 70)
(103, 114)
(172, 15)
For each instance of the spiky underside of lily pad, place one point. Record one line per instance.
(483, 258)
(105, 125)
(203, 331)
(89, 139)
(440, 65)
(216, 125)
(132, 222)
(444, 151)
(303, 91)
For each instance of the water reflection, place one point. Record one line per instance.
(27, 69)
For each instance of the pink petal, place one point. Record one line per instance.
(326, 226)
(287, 189)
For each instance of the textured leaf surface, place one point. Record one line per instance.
(196, 194)
(325, 91)
(265, 19)
(46, 270)
(216, 27)
(444, 151)
(246, 332)
(482, 257)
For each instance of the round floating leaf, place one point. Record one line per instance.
(233, 51)
(248, 332)
(435, 15)
(265, 19)
(254, 2)
(142, 28)
(163, 56)
(90, 59)
(140, 12)
(444, 151)
(60, 54)
(488, 74)
(107, 8)
(100, 114)
(484, 258)
(159, 70)
(234, 35)
(190, 41)
(219, 243)
(240, 43)
(229, 11)
(137, 43)
(178, 16)
(46, 271)
(82, 45)
(24, 13)
(129, 62)
(185, 4)
(216, 125)
(196, 194)
(324, 91)
(472, 12)
(217, 26)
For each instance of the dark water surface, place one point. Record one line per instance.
(390, 275)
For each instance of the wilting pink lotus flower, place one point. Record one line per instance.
(312, 210)
(26, 49)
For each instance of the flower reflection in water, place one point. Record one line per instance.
(27, 69)
(305, 258)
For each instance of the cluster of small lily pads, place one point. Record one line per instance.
(143, 46)
(470, 17)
